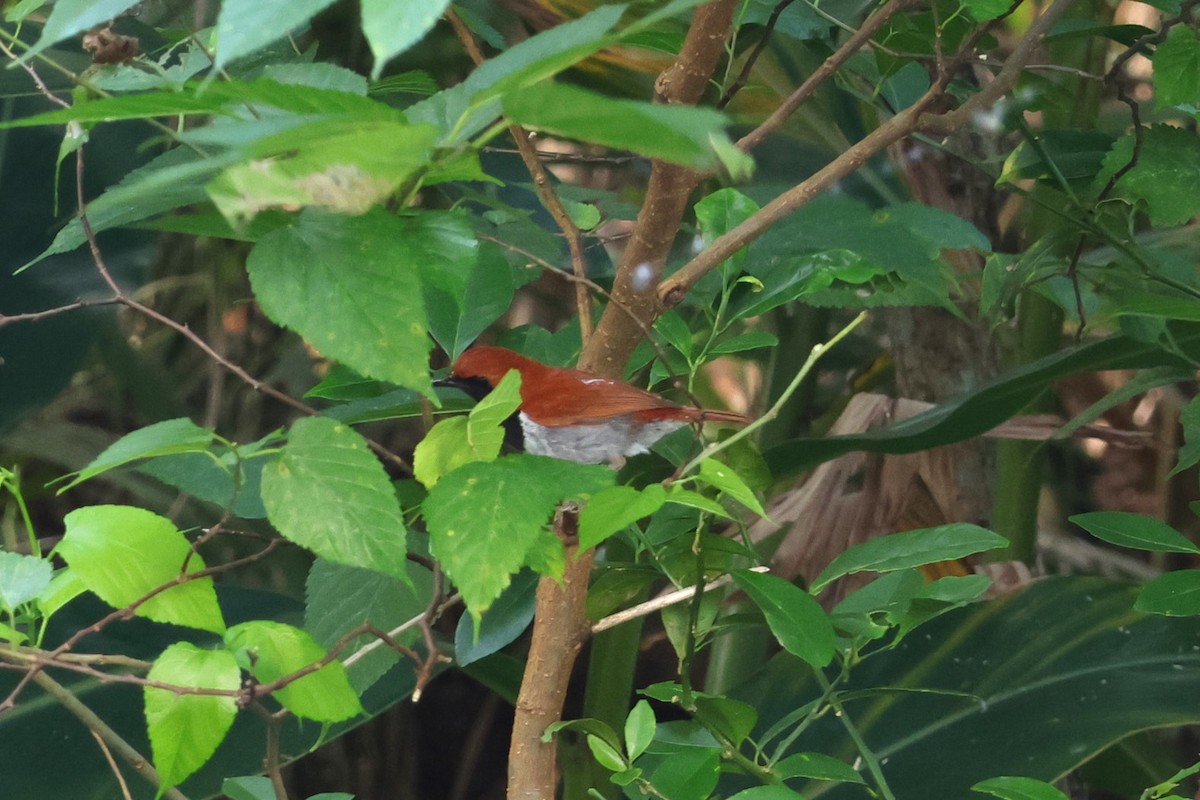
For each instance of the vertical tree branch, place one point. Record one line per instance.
(560, 623)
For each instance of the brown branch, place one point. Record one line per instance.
(545, 191)
(912, 119)
(37, 316)
(667, 196)
(112, 765)
(560, 625)
(822, 73)
(141, 764)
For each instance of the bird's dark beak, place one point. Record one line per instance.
(475, 388)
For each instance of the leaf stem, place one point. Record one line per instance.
(868, 755)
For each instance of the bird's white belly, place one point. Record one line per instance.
(605, 442)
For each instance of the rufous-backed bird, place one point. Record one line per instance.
(575, 415)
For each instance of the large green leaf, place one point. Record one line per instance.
(1177, 68)
(486, 518)
(984, 409)
(392, 26)
(340, 598)
(246, 25)
(1164, 176)
(185, 729)
(910, 549)
(329, 494)
(795, 618)
(122, 553)
(169, 437)
(680, 134)
(1032, 684)
(273, 650)
(351, 286)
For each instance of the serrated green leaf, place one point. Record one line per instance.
(466, 286)
(1173, 594)
(1165, 176)
(169, 437)
(615, 508)
(910, 549)
(22, 578)
(338, 598)
(393, 26)
(476, 437)
(639, 729)
(723, 478)
(1177, 68)
(351, 286)
(328, 493)
(121, 553)
(186, 729)
(720, 212)
(244, 26)
(275, 650)
(795, 618)
(1134, 530)
(485, 518)
(1018, 788)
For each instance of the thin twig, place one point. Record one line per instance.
(662, 601)
(141, 764)
(112, 765)
(740, 82)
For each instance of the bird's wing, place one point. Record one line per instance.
(573, 397)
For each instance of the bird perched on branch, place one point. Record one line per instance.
(575, 415)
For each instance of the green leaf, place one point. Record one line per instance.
(639, 729)
(767, 793)
(476, 437)
(1165, 176)
(722, 477)
(1017, 788)
(122, 553)
(64, 587)
(688, 775)
(616, 508)
(795, 618)
(1189, 453)
(274, 650)
(186, 729)
(69, 17)
(244, 26)
(486, 518)
(732, 719)
(466, 286)
(507, 619)
(1034, 683)
(605, 754)
(910, 549)
(393, 26)
(750, 340)
(984, 10)
(1173, 594)
(160, 439)
(818, 767)
(328, 493)
(251, 787)
(720, 212)
(686, 497)
(1177, 68)
(1134, 530)
(22, 578)
(338, 599)
(11, 634)
(345, 163)
(679, 134)
(350, 286)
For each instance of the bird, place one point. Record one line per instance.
(575, 415)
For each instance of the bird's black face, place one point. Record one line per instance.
(478, 388)
(475, 388)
